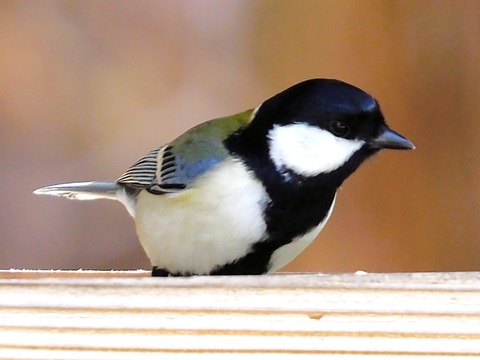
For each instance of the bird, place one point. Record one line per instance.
(246, 194)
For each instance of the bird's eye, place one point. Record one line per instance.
(339, 128)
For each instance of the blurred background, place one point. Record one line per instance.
(88, 87)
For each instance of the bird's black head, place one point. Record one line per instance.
(320, 102)
(321, 127)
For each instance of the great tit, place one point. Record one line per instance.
(245, 194)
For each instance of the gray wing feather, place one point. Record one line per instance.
(173, 167)
(141, 174)
(173, 174)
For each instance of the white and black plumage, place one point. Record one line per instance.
(245, 194)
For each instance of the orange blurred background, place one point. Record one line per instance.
(88, 87)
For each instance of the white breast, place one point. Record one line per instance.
(283, 255)
(212, 224)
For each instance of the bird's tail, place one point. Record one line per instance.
(91, 190)
(88, 190)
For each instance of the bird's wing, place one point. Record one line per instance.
(173, 167)
(149, 172)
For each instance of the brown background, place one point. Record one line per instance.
(87, 87)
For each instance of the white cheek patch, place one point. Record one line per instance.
(308, 150)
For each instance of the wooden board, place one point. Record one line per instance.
(129, 315)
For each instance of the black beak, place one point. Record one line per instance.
(389, 139)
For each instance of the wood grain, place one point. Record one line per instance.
(129, 315)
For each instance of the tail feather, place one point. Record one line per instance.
(88, 190)
(91, 190)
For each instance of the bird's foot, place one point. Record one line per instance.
(156, 272)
